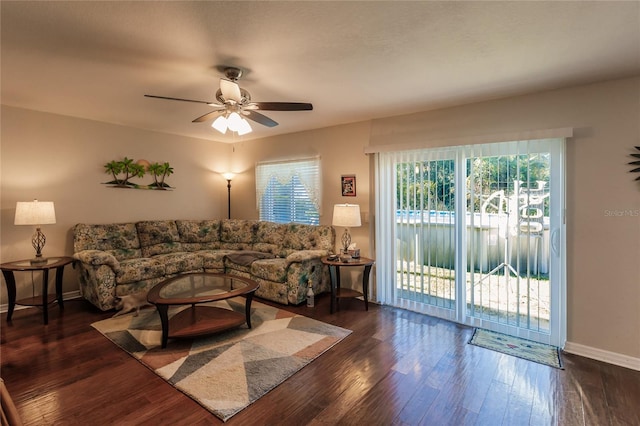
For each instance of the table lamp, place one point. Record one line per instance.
(347, 215)
(36, 213)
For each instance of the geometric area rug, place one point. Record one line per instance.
(516, 346)
(228, 371)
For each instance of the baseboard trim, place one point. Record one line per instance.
(65, 296)
(602, 355)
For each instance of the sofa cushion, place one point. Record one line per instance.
(119, 239)
(158, 237)
(132, 270)
(213, 259)
(175, 263)
(269, 238)
(196, 235)
(237, 234)
(270, 269)
(198, 231)
(247, 257)
(308, 237)
(214, 245)
(124, 254)
(241, 260)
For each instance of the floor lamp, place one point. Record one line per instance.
(229, 178)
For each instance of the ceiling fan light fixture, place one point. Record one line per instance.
(234, 121)
(244, 128)
(233, 101)
(220, 124)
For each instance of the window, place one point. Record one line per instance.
(289, 191)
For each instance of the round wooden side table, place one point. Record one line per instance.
(337, 292)
(57, 263)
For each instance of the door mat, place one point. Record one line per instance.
(516, 346)
(228, 371)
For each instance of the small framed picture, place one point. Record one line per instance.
(348, 183)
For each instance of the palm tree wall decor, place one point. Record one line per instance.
(162, 171)
(124, 170)
(636, 163)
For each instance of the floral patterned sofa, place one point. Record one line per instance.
(123, 258)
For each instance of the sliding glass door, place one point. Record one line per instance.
(478, 235)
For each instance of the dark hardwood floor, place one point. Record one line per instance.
(396, 368)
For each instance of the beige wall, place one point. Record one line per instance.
(60, 159)
(341, 150)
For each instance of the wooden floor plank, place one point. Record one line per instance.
(397, 367)
(494, 406)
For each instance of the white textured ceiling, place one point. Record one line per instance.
(353, 60)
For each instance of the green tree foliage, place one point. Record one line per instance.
(430, 185)
(160, 172)
(126, 166)
(486, 175)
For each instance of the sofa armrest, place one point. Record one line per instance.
(97, 277)
(305, 255)
(97, 258)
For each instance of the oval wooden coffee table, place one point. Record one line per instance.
(194, 289)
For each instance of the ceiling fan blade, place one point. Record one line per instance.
(284, 106)
(207, 116)
(230, 90)
(259, 118)
(180, 99)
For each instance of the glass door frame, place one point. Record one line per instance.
(385, 206)
(557, 253)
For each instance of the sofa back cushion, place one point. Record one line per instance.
(158, 237)
(199, 234)
(269, 238)
(119, 239)
(309, 237)
(237, 234)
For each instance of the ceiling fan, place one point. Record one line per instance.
(234, 104)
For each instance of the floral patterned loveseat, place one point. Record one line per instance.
(123, 258)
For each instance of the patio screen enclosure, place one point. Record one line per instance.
(475, 234)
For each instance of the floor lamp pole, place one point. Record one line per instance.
(229, 198)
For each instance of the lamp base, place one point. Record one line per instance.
(346, 240)
(38, 241)
(38, 260)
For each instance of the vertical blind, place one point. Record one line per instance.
(465, 233)
(415, 203)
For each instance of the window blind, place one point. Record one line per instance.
(289, 191)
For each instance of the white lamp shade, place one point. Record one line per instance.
(234, 121)
(35, 213)
(347, 215)
(220, 124)
(228, 176)
(244, 128)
